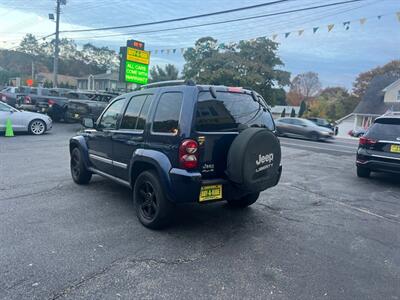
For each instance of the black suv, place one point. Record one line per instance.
(178, 142)
(379, 148)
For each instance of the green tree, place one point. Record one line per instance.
(363, 80)
(29, 45)
(157, 73)
(250, 64)
(303, 108)
(283, 114)
(293, 113)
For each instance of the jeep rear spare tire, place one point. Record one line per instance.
(254, 160)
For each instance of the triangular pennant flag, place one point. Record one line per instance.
(315, 29)
(155, 51)
(363, 20)
(330, 27)
(346, 25)
(162, 51)
(287, 34)
(174, 51)
(274, 37)
(300, 32)
(398, 15)
(379, 17)
(168, 50)
(182, 50)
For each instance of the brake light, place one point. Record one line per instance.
(364, 141)
(3, 98)
(27, 100)
(188, 154)
(51, 102)
(233, 89)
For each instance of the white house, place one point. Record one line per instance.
(382, 96)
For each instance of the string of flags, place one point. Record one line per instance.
(330, 27)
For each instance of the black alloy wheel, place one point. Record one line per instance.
(79, 172)
(153, 209)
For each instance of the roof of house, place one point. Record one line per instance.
(104, 76)
(397, 82)
(372, 102)
(278, 109)
(71, 80)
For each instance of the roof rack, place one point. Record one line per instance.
(166, 83)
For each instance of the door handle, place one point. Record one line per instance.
(136, 139)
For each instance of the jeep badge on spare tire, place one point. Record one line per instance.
(254, 160)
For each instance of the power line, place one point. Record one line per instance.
(229, 21)
(183, 18)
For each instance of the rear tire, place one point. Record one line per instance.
(363, 172)
(79, 172)
(244, 201)
(153, 209)
(37, 127)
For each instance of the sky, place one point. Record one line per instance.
(338, 55)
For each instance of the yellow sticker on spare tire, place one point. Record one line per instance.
(210, 192)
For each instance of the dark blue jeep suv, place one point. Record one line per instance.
(178, 142)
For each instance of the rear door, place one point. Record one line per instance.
(99, 140)
(219, 120)
(130, 135)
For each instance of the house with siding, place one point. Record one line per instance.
(382, 96)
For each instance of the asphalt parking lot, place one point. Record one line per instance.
(322, 233)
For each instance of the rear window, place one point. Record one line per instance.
(385, 130)
(229, 111)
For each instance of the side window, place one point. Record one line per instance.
(110, 116)
(167, 114)
(132, 112)
(143, 113)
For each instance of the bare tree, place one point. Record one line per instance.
(306, 85)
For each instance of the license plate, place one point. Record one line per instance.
(76, 116)
(395, 148)
(210, 192)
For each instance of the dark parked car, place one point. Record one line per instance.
(324, 123)
(12, 94)
(36, 96)
(178, 143)
(78, 109)
(297, 127)
(57, 107)
(379, 148)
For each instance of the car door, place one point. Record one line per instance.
(130, 135)
(99, 139)
(298, 127)
(16, 117)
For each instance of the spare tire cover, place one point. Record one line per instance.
(254, 159)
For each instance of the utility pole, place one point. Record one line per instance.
(56, 46)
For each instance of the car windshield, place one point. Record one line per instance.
(230, 111)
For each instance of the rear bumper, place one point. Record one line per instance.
(185, 186)
(378, 164)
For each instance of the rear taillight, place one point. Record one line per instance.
(364, 141)
(188, 154)
(51, 102)
(3, 98)
(27, 100)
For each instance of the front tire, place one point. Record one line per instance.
(153, 209)
(37, 127)
(79, 172)
(244, 201)
(363, 172)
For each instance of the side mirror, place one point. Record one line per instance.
(88, 123)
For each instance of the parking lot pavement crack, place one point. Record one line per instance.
(359, 209)
(42, 192)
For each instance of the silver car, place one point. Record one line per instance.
(298, 127)
(33, 123)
